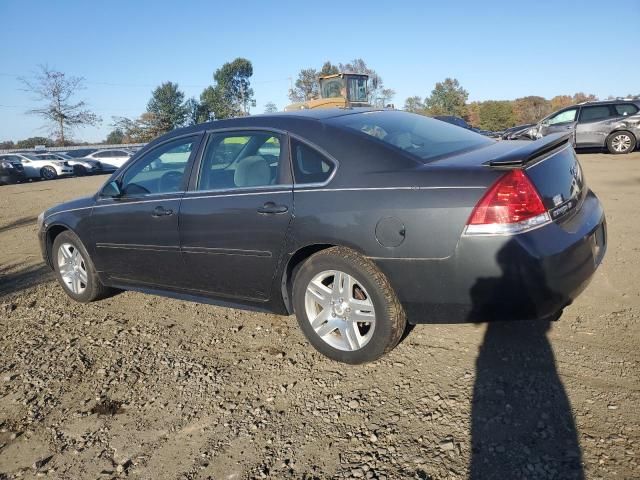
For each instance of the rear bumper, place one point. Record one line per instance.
(532, 275)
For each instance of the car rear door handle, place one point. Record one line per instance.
(271, 207)
(160, 211)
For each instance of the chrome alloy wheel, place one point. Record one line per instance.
(72, 268)
(621, 142)
(340, 310)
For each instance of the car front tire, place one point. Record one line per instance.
(48, 173)
(621, 142)
(346, 306)
(74, 269)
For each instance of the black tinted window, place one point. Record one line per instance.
(240, 160)
(309, 165)
(597, 112)
(626, 109)
(102, 154)
(421, 136)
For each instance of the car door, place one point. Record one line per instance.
(134, 224)
(561, 122)
(591, 129)
(234, 219)
(119, 157)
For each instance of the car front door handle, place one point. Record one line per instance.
(271, 207)
(160, 211)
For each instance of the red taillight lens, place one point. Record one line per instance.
(512, 199)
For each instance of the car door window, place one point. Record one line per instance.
(240, 160)
(626, 109)
(595, 113)
(309, 165)
(161, 170)
(563, 117)
(102, 154)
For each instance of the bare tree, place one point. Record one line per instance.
(55, 90)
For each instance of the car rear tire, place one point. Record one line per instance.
(48, 173)
(74, 269)
(621, 142)
(346, 306)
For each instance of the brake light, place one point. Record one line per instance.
(511, 205)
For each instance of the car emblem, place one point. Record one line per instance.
(557, 200)
(576, 183)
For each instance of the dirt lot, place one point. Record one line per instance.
(151, 388)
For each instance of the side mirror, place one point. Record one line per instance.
(111, 190)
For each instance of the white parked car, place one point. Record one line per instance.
(80, 166)
(111, 160)
(35, 167)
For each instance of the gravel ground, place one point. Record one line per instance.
(147, 387)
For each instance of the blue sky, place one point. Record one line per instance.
(496, 49)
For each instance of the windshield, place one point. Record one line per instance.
(332, 88)
(357, 89)
(418, 135)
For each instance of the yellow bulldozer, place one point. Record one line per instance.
(338, 90)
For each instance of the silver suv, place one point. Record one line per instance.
(614, 124)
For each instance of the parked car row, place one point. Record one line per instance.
(18, 167)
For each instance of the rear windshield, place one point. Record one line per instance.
(418, 135)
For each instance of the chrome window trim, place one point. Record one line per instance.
(227, 193)
(266, 190)
(147, 197)
(349, 189)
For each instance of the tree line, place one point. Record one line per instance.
(450, 98)
(230, 95)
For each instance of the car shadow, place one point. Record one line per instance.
(522, 424)
(15, 278)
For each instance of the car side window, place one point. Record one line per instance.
(563, 117)
(102, 154)
(626, 109)
(161, 170)
(309, 165)
(240, 160)
(595, 113)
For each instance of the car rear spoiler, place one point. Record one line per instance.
(530, 151)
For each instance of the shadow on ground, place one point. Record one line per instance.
(14, 278)
(522, 424)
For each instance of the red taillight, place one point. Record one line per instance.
(511, 200)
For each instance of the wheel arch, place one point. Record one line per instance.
(295, 261)
(51, 234)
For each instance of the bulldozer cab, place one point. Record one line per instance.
(342, 90)
(349, 86)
